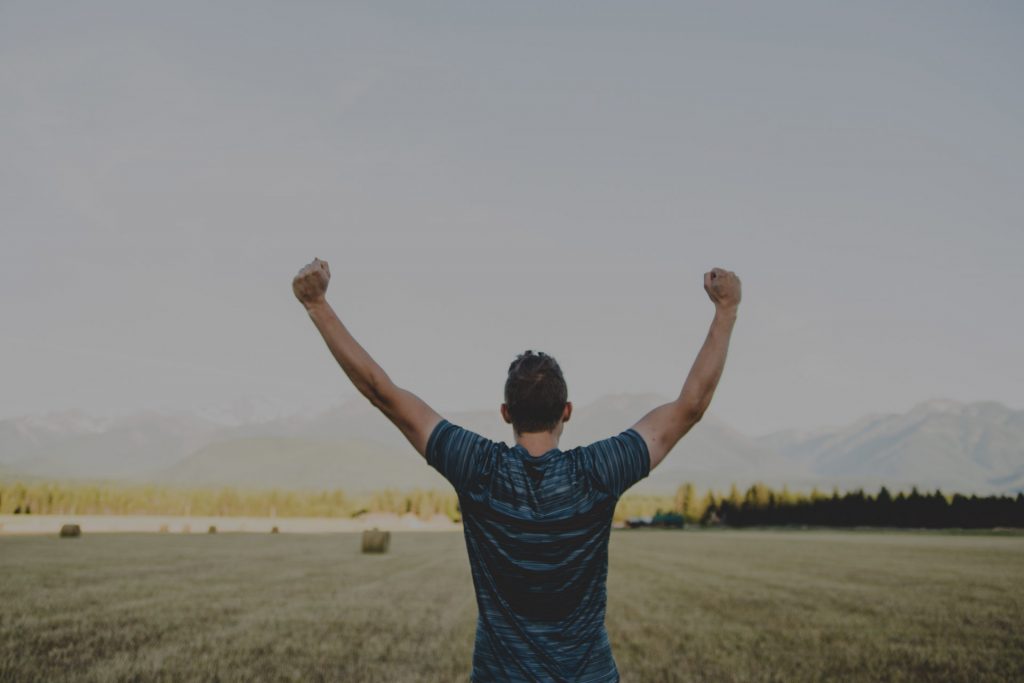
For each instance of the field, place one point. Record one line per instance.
(683, 606)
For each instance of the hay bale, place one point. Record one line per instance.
(212, 529)
(275, 530)
(164, 529)
(70, 531)
(376, 541)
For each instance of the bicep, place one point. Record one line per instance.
(411, 414)
(662, 428)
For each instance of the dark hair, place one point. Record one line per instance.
(535, 392)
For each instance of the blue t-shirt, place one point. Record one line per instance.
(537, 536)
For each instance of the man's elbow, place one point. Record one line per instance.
(691, 412)
(379, 392)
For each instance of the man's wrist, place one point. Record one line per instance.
(315, 307)
(726, 313)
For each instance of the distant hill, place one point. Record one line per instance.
(972, 447)
(296, 463)
(73, 445)
(976, 447)
(354, 447)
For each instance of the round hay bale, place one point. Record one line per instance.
(212, 529)
(70, 531)
(275, 530)
(376, 541)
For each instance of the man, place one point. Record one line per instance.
(536, 518)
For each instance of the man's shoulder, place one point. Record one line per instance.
(453, 433)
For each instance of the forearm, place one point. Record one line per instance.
(408, 412)
(706, 371)
(665, 425)
(368, 377)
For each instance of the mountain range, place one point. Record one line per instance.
(964, 447)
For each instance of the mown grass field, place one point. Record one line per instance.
(683, 606)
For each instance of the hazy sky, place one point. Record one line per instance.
(490, 177)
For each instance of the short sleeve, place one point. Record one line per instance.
(460, 455)
(618, 462)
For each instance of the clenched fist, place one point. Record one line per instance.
(723, 287)
(310, 285)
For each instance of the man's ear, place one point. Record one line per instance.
(505, 414)
(567, 411)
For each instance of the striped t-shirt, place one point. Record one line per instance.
(537, 536)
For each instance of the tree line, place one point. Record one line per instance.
(758, 505)
(47, 498)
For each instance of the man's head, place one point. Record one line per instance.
(536, 397)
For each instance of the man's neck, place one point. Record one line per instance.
(538, 443)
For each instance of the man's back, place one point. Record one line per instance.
(536, 532)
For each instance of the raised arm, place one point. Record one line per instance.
(407, 411)
(665, 425)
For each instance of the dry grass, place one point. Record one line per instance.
(702, 606)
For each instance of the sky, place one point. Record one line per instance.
(484, 178)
